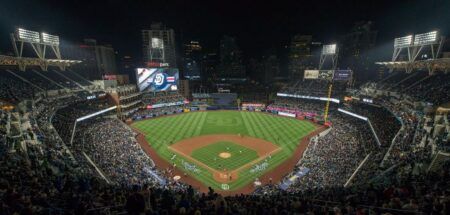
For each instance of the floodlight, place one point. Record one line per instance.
(403, 41)
(28, 36)
(157, 43)
(426, 38)
(50, 39)
(329, 49)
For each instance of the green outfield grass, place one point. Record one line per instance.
(282, 131)
(209, 155)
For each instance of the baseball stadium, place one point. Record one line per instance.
(227, 150)
(189, 107)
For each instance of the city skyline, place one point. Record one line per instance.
(256, 28)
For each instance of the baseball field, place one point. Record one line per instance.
(225, 150)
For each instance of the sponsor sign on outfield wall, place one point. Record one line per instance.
(286, 114)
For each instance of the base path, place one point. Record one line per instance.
(276, 174)
(262, 147)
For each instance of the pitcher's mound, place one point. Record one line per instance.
(224, 155)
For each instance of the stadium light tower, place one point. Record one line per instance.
(432, 40)
(38, 41)
(157, 50)
(329, 51)
(426, 43)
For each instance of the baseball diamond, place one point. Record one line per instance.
(224, 149)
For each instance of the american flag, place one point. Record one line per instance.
(171, 79)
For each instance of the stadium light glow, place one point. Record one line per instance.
(329, 49)
(401, 42)
(28, 36)
(426, 38)
(50, 39)
(157, 43)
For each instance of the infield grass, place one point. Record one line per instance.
(210, 155)
(282, 131)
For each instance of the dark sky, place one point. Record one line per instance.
(258, 25)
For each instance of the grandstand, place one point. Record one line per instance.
(68, 147)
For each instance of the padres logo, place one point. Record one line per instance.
(159, 79)
(225, 187)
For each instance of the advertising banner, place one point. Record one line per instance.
(311, 74)
(326, 74)
(308, 97)
(286, 114)
(165, 104)
(342, 75)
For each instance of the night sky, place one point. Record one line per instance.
(258, 25)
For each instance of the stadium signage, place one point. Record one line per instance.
(252, 105)
(286, 114)
(352, 114)
(368, 100)
(96, 113)
(311, 74)
(342, 75)
(308, 97)
(157, 64)
(167, 104)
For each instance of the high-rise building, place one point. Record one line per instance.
(300, 55)
(155, 51)
(192, 60)
(231, 65)
(97, 60)
(209, 66)
(270, 68)
(355, 49)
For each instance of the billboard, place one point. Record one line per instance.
(157, 79)
(311, 74)
(342, 75)
(326, 74)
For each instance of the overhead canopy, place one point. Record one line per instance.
(439, 64)
(23, 62)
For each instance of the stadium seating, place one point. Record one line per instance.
(14, 89)
(106, 171)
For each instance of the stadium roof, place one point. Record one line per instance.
(23, 62)
(440, 64)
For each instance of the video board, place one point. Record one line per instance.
(157, 79)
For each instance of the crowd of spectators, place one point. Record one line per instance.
(65, 117)
(151, 98)
(420, 87)
(155, 112)
(50, 177)
(333, 158)
(385, 124)
(316, 87)
(14, 90)
(113, 147)
(300, 105)
(434, 89)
